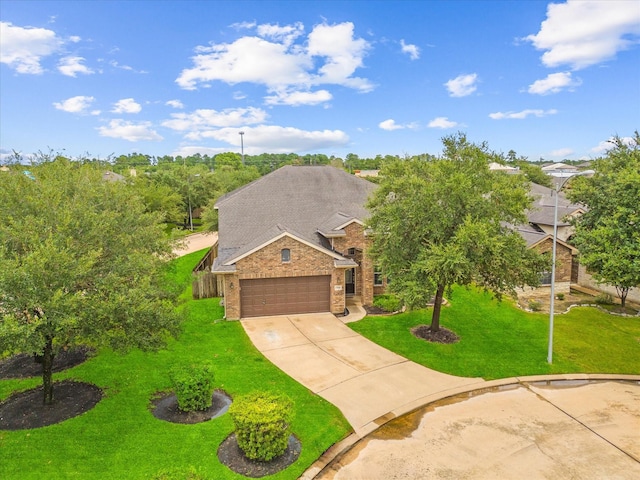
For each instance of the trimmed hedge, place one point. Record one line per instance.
(262, 423)
(193, 385)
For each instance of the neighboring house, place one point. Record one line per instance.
(293, 242)
(541, 213)
(566, 257)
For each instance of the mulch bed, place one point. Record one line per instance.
(24, 365)
(165, 407)
(230, 455)
(25, 410)
(373, 310)
(441, 336)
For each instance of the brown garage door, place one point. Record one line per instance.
(282, 296)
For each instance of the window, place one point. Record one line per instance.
(285, 254)
(377, 277)
(351, 251)
(545, 278)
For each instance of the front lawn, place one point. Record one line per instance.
(121, 439)
(498, 340)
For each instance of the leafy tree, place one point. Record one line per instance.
(80, 263)
(442, 221)
(225, 180)
(608, 234)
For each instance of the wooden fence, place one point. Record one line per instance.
(205, 283)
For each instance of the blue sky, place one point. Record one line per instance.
(368, 77)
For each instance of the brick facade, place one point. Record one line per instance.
(267, 263)
(563, 259)
(357, 239)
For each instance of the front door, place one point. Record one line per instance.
(350, 281)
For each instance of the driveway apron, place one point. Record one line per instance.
(368, 383)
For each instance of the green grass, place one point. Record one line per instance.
(121, 439)
(498, 340)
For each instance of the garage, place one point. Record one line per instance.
(284, 296)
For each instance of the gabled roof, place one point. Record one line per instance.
(308, 203)
(542, 207)
(534, 237)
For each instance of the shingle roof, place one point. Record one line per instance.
(299, 200)
(541, 210)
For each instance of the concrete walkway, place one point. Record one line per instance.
(196, 241)
(368, 383)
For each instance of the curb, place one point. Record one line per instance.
(337, 450)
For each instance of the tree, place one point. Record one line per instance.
(608, 234)
(80, 263)
(442, 221)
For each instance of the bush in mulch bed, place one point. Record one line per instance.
(262, 443)
(25, 365)
(230, 454)
(25, 410)
(441, 336)
(166, 407)
(193, 385)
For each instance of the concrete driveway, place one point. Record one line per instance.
(368, 383)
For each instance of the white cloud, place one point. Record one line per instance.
(195, 123)
(462, 85)
(554, 83)
(343, 54)
(584, 33)
(298, 98)
(71, 66)
(390, 125)
(562, 152)
(285, 35)
(522, 114)
(280, 59)
(126, 105)
(24, 48)
(78, 104)
(133, 132)
(605, 145)
(277, 139)
(412, 50)
(442, 122)
(175, 103)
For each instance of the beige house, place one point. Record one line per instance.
(294, 242)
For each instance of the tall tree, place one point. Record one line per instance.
(442, 221)
(80, 263)
(608, 234)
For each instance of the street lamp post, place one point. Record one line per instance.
(242, 145)
(553, 266)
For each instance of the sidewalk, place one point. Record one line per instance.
(195, 242)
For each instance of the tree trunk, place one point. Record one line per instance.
(47, 370)
(437, 306)
(622, 293)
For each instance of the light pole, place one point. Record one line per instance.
(242, 145)
(553, 266)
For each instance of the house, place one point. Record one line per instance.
(566, 257)
(293, 242)
(541, 212)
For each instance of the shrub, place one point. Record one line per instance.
(535, 306)
(604, 299)
(387, 302)
(560, 296)
(193, 385)
(262, 424)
